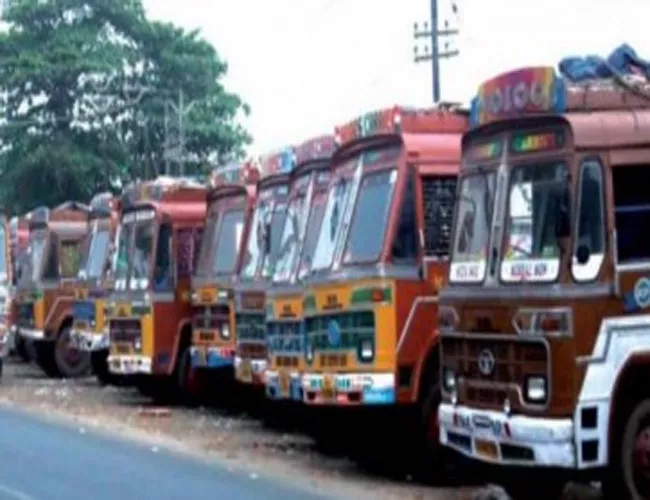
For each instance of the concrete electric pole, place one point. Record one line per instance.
(175, 113)
(430, 30)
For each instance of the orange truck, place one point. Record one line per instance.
(149, 309)
(545, 352)
(231, 202)
(380, 260)
(284, 322)
(89, 326)
(45, 289)
(258, 267)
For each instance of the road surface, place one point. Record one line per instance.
(44, 461)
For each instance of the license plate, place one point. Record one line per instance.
(487, 449)
(246, 371)
(328, 387)
(123, 349)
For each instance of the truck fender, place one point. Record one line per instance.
(187, 322)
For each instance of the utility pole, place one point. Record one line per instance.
(431, 31)
(175, 146)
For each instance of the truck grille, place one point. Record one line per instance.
(354, 328)
(514, 361)
(210, 317)
(251, 326)
(285, 337)
(125, 330)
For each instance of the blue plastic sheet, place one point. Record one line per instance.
(622, 61)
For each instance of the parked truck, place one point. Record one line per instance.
(89, 326)
(258, 267)
(45, 290)
(231, 202)
(544, 323)
(149, 308)
(380, 260)
(284, 322)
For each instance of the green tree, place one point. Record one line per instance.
(84, 85)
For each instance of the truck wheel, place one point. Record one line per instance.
(44, 357)
(99, 364)
(189, 379)
(70, 361)
(21, 348)
(628, 474)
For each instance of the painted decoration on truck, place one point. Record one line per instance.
(517, 93)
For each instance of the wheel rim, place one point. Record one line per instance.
(641, 461)
(72, 362)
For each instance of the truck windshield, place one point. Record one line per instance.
(120, 267)
(277, 224)
(535, 198)
(228, 241)
(370, 217)
(142, 255)
(206, 253)
(256, 239)
(331, 224)
(96, 255)
(36, 250)
(289, 243)
(311, 236)
(472, 228)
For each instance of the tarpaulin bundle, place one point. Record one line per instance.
(623, 61)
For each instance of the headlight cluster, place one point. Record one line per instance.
(225, 331)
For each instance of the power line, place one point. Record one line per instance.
(431, 30)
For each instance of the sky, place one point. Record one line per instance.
(305, 66)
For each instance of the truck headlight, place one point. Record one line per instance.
(536, 391)
(366, 350)
(449, 379)
(309, 353)
(137, 344)
(225, 331)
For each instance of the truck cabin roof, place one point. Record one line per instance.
(70, 217)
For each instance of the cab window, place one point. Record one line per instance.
(163, 270)
(51, 270)
(405, 243)
(631, 212)
(438, 199)
(590, 233)
(70, 258)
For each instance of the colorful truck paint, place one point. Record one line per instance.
(258, 267)
(284, 321)
(149, 310)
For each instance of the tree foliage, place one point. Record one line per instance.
(86, 89)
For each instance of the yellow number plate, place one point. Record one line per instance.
(487, 449)
(328, 387)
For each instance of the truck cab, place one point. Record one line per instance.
(284, 322)
(89, 326)
(149, 309)
(258, 266)
(45, 289)
(544, 323)
(19, 239)
(380, 260)
(6, 279)
(231, 202)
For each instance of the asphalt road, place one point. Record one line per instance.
(44, 461)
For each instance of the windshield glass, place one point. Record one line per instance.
(331, 224)
(256, 238)
(370, 217)
(207, 245)
(277, 223)
(289, 243)
(120, 266)
(142, 255)
(96, 255)
(536, 202)
(311, 236)
(228, 241)
(36, 251)
(472, 229)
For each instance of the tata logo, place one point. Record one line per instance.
(121, 311)
(642, 292)
(486, 362)
(287, 311)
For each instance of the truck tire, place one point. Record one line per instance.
(189, 380)
(99, 365)
(70, 362)
(21, 348)
(44, 357)
(628, 473)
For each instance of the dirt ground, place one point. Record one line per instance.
(233, 439)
